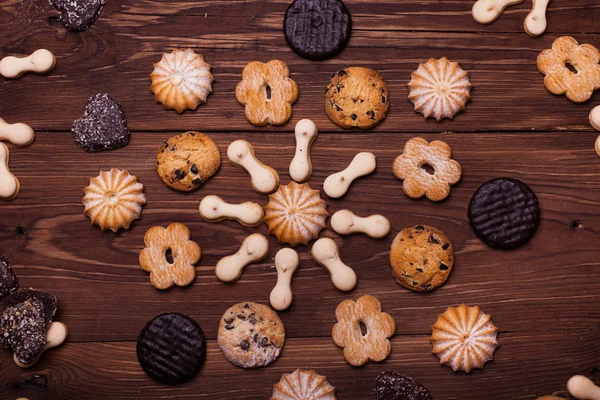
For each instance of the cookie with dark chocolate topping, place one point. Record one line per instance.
(8, 278)
(390, 385)
(23, 329)
(78, 15)
(48, 301)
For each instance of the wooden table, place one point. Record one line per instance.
(543, 297)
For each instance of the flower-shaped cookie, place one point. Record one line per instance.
(267, 92)
(418, 182)
(175, 239)
(578, 86)
(374, 344)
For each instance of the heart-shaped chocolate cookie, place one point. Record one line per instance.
(48, 301)
(23, 329)
(78, 15)
(8, 279)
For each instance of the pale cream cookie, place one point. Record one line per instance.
(214, 209)
(19, 134)
(487, 11)
(301, 166)
(253, 249)
(264, 179)
(40, 61)
(536, 23)
(337, 185)
(327, 253)
(583, 388)
(286, 263)
(345, 222)
(9, 184)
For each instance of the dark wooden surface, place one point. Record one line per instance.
(543, 297)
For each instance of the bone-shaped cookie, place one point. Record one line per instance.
(18, 134)
(265, 179)
(583, 388)
(345, 222)
(214, 209)
(301, 166)
(9, 184)
(337, 185)
(487, 11)
(286, 263)
(40, 61)
(535, 22)
(253, 249)
(56, 335)
(327, 254)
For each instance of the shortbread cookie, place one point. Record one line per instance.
(181, 80)
(8, 278)
(267, 92)
(154, 257)
(439, 89)
(78, 15)
(357, 97)
(214, 209)
(390, 385)
(286, 264)
(303, 385)
(317, 29)
(113, 200)
(422, 258)
(40, 61)
(103, 125)
(186, 161)
(487, 11)
(417, 182)
(464, 338)
(19, 134)
(296, 214)
(9, 184)
(559, 79)
(251, 335)
(374, 345)
(264, 179)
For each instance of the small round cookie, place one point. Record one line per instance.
(422, 258)
(251, 335)
(357, 97)
(185, 162)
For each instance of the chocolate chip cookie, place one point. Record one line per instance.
(185, 162)
(251, 335)
(422, 258)
(357, 97)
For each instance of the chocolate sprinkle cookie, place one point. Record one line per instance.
(8, 278)
(504, 213)
(317, 29)
(171, 348)
(103, 125)
(78, 15)
(48, 301)
(23, 329)
(391, 385)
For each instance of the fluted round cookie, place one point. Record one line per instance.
(303, 385)
(251, 335)
(185, 162)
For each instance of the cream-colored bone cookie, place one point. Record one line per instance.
(327, 254)
(595, 118)
(214, 209)
(301, 166)
(345, 222)
(40, 61)
(286, 263)
(536, 23)
(56, 335)
(487, 11)
(253, 249)
(18, 134)
(583, 388)
(265, 179)
(337, 185)
(9, 184)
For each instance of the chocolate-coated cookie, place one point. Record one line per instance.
(23, 329)
(103, 125)
(78, 15)
(48, 300)
(317, 29)
(391, 385)
(357, 97)
(8, 278)
(171, 348)
(185, 162)
(504, 213)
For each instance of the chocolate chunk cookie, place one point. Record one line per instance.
(504, 213)
(317, 29)
(23, 329)
(422, 258)
(103, 125)
(357, 97)
(391, 385)
(78, 15)
(8, 278)
(251, 335)
(171, 348)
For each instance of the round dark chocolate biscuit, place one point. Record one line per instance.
(23, 329)
(78, 15)
(422, 258)
(390, 385)
(504, 213)
(185, 162)
(48, 300)
(103, 125)
(8, 278)
(171, 348)
(317, 29)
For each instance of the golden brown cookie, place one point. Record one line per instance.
(251, 335)
(113, 200)
(303, 385)
(422, 258)
(154, 258)
(374, 345)
(357, 97)
(268, 92)
(185, 162)
(565, 51)
(418, 182)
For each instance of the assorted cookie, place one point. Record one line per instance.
(215, 209)
(9, 184)
(327, 254)
(301, 165)
(286, 263)
(487, 11)
(303, 385)
(391, 385)
(254, 249)
(336, 185)
(345, 222)
(264, 179)
(41, 61)
(78, 15)
(19, 134)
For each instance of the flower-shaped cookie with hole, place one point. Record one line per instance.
(185, 252)
(560, 79)
(267, 92)
(374, 345)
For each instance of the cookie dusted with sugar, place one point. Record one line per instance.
(303, 385)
